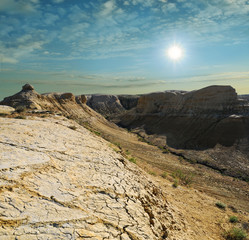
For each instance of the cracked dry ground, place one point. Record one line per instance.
(59, 182)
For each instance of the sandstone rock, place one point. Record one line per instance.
(105, 104)
(209, 99)
(81, 99)
(27, 87)
(128, 101)
(60, 183)
(6, 109)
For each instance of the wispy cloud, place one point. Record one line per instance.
(18, 7)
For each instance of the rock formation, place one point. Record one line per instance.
(63, 182)
(111, 105)
(209, 118)
(5, 110)
(105, 104)
(198, 119)
(128, 101)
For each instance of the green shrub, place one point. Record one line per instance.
(220, 205)
(185, 179)
(117, 144)
(132, 159)
(166, 151)
(97, 133)
(235, 234)
(175, 184)
(233, 219)
(164, 175)
(152, 173)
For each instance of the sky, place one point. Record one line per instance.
(120, 47)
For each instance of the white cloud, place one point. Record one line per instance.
(169, 7)
(58, 1)
(4, 59)
(18, 7)
(50, 18)
(107, 8)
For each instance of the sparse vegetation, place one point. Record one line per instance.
(141, 139)
(72, 127)
(185, 179)
(96, 133)
(220, 205)
(235, 234)
(166, 151)
(164, 175)
(152, 173)
(132, 159)
(117, 144)
(176, 183)
(127, 152)
(233, 219)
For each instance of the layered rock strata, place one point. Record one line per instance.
(195, 120)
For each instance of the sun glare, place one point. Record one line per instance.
(175, 52)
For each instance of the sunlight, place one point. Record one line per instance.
(175, 52)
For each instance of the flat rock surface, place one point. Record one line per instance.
(60, 181)
(6, 109)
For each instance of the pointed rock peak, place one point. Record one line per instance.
(27, 87)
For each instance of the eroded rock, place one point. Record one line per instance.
(6, 109)
(61, 183)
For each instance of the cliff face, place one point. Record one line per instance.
(60, 182)
(111, 105)
(105, 104)
(196, 120)
(212, 99)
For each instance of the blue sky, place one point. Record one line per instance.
(114, 46)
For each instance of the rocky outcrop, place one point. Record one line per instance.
(210, 99)
(128, 101)
(60, 181)
(62, 103)
(105, 104)
(26, 98)
(196, 120)
(111, 105)
(5, 110)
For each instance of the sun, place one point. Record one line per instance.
(175, 52)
